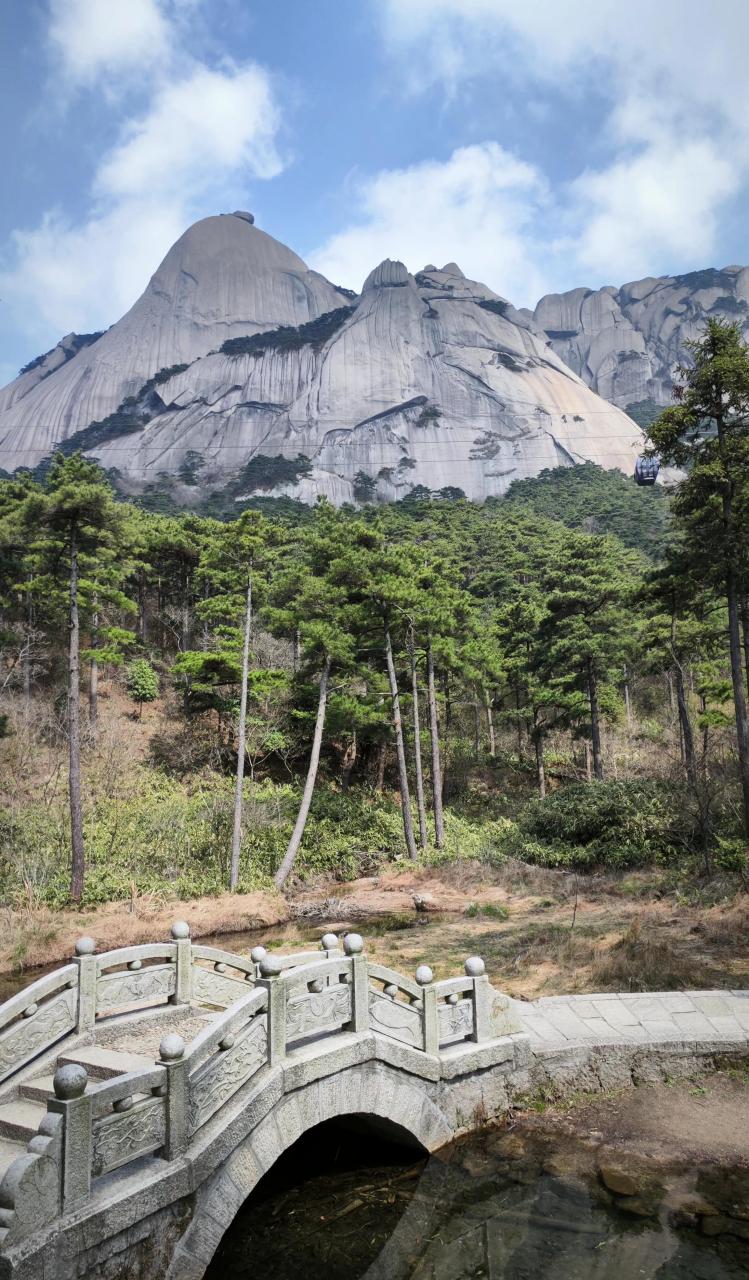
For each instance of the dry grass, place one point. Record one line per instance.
(644, 959)
(725, 926)
(36, 937)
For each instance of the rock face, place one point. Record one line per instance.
(625, 342)
(240, 369)
(222, 278)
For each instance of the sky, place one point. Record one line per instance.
(543, 145)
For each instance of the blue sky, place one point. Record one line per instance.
(541, 146)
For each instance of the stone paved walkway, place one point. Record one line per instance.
(648, 1018)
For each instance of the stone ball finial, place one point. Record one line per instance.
(171, 1048)
(329, 941)
(257, 954)
(353, 944)
(85, 947)
(474, 967)
(70, 1081)
(424, 975)
(180, 929)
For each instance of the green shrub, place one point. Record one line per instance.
(314, 333)
(142, 682)
(611, 824)
(486, 910)
(169, 838)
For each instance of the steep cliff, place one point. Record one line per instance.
(241, 370)
(625, 342)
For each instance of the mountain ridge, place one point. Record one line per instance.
(237, 351)
(625, 342)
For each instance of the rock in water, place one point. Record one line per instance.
(239, 369)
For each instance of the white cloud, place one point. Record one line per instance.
(660, 204)
(477, 208)
(677, 127)
(690, 51)
(92, 38)
(204, 135)
(82, 276)
(210, 122)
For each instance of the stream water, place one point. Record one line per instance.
(506, 1206)
(293, 936)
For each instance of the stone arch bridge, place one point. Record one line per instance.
(145, 1091)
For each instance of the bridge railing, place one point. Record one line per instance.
(219, 1062)
(37, 1017)
(94, 1128)
(98, 985)
(431, 1015)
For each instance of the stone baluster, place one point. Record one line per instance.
(275, 985)
(476, 970)
(353, 945)
(172, 1058)
(74, 1105)
(430, 1023)
(85, 958)
(180, 932)
(329, 944)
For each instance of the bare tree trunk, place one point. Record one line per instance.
(477, 729)
(423, 837)
(400, 751)
(26, 673)
(74, 731)
(93, 673)
(446, 750)
(700, 797)
(519, 725)
(739, 691)
(538, 742)
(297, 650)
(588, 762)
(205, 631)
(745, 629)
(434, 735)
(141, 624)
(236, 839)
(490, 724)
(26, 657)
(734, 642)
(685, 725)
(671, 697)
(186, 620)
(627, 701)
(705, 733)
(595, 724)
(292, 850)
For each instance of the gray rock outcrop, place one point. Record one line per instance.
(624, 343)
(241, 369)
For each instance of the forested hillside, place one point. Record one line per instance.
(560, 677)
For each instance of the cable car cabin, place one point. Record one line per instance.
(646, 470)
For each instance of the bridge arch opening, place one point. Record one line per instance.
(327, 1206)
